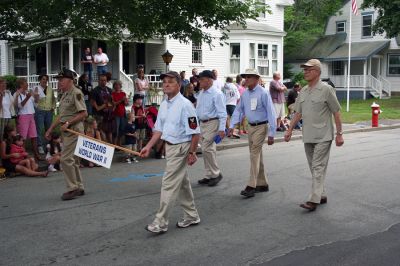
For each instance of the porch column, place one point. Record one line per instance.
(370, 66)
(70, 53)
(365, 79)
(120, 56)
(48, 66)
(28, 55)
(379, 68)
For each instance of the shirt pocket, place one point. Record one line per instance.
(318, 105)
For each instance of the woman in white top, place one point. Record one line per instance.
(141, 84)
(6, 106)
(26, 109)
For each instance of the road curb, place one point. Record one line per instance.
(299, 137)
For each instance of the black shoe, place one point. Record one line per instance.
(324, 200)
(204, 181)
(248, 192)
(262, 189)
(214, 181)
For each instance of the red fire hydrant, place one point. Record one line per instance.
(375, 114)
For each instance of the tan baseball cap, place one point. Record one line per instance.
(312, 63)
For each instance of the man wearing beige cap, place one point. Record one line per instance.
(316, 104)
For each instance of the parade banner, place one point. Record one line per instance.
(94, 151)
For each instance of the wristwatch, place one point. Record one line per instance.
(339, 133)
(67, 123)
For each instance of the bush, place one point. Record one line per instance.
(299, 78)
(11, 81)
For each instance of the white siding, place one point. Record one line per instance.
(3, 58)
(344, 15)
(153, 57)
(275, 19)
(212, 57)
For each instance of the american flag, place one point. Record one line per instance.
(354, 7)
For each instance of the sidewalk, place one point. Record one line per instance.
(364, 126)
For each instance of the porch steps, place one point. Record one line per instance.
(375, 94)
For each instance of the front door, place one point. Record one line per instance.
(141, 55)
(41, 60)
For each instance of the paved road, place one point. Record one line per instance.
(358, 226)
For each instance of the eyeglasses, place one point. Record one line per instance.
(308, 69)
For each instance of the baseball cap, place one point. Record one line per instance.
(171, 74)
(312, 63)
(66, 73)
(206, 74)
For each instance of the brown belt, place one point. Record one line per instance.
(208, 120)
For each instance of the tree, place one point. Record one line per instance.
(388, 16)
(305, 21)
(117, 20)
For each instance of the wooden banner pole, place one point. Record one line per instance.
(105, 143)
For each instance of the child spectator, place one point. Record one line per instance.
(54, 152)
(140, 119)
(130, 137)
(17, 147)
(91, 130)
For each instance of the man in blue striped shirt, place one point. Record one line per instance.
(256, 104)
(211, 112)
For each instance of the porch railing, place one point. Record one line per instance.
(33, 81)
(375, 85)
(356, 81)
(154, 80)
(386, 86)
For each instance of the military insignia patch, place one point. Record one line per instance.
(192, 122)
(79, 97)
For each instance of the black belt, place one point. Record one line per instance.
(169, 143)
(258, 123)
(208, 120)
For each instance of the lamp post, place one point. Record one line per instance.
(167, 58)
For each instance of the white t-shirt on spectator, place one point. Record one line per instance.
(218, 84)
(8, 101)
(28, 108)
(231, 94)
(98, 58)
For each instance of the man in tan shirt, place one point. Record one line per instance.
(316, 104)
(72, 114)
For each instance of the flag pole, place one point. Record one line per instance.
(349, 61)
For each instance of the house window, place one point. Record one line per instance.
(340, 26)
(367, 25)
(20, 64)
(235, 58)
(337, 68)
(393, 65)
(197, 57)
(252, 56)
(263, 62)
(274, 58)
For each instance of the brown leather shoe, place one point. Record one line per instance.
(81, 192)
(311, 206)
(70, 195)
(324, 200)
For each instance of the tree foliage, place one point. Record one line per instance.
(388, 16)
(305, 21)
(117, 20)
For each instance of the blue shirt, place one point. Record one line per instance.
(263, 111)
(177, 120)
(211, 104)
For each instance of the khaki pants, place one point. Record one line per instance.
(317, 157)
(257, 135)
(208, 132)
(70, 162)
(175, 183)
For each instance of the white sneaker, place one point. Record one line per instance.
(186, 223)
(128, 160)
(51, 168)
(156, 228)
(162, 157)
(135, 160)
(40, 149)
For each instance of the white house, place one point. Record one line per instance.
(259, 46)
(375, 60)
